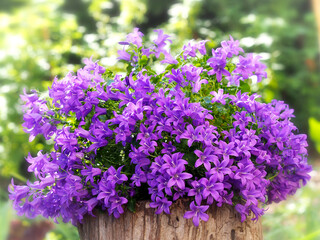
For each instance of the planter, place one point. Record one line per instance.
(224, 223)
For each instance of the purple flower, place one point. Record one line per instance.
(162, 182)
(162, 204)
(243, 148)
(191, 47)
(249, 66)
(168, 58)
(220, 169)
(155, 192)
(231, 47)
(138, 156)
(205, 158)
(146, 133)
(37, 116)
(73, 187)
(124, 55)
(263, 156)
(197, 84)
(122, 133)
(116, 203)
(252, 196)
(168, 148)
(107, 190)
(38, 163)
(201, 46)
(93, 66)
(174, 161)
(278, 136)
(160, 42)
(91, 203)
(66, 140)
(209, 134)
(243, 173)
(212, 189)
(189, 50)
(256, 211)
(242, 120)
(226, 198)
(176, 76)
(157, 165)
(178, 176)
(243, 211)
(179, 193)
(138, 177)
(90, 172)
(250, 150)
(197, 213)
(148, 146)
(218, 63)
(114, 175)
(18, 192)
(135, 37)
(178, 131)
(196, 191)
(226, 150)
(192, 134)
(219, 96)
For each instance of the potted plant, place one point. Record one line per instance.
(183, 135)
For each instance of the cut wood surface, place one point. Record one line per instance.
(223, 224)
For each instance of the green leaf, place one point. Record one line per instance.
(6, 215)
(312, 236)
(314, 130)
(143, 60)
(131, 205)
(169, 67)
(129, 68)
(244, 87)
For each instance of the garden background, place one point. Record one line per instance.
(41, 39)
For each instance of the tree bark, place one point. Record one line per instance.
(223, 224)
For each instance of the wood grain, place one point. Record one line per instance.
(224, 223)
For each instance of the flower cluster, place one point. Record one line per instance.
(193, 130)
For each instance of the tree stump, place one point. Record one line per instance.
(223, 224)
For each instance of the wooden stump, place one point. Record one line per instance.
(223, 224)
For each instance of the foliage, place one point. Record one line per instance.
(74, 30)
(169, 128)
(6, 213)
(42, 39)
(283, 32)
(34, 49)
(314, 132)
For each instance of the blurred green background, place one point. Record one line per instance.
(41, 39)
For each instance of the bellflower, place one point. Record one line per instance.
(189, 131)
(197, 213)
(211, 189)
(162, 204)
(219, 97)
(205, 158)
